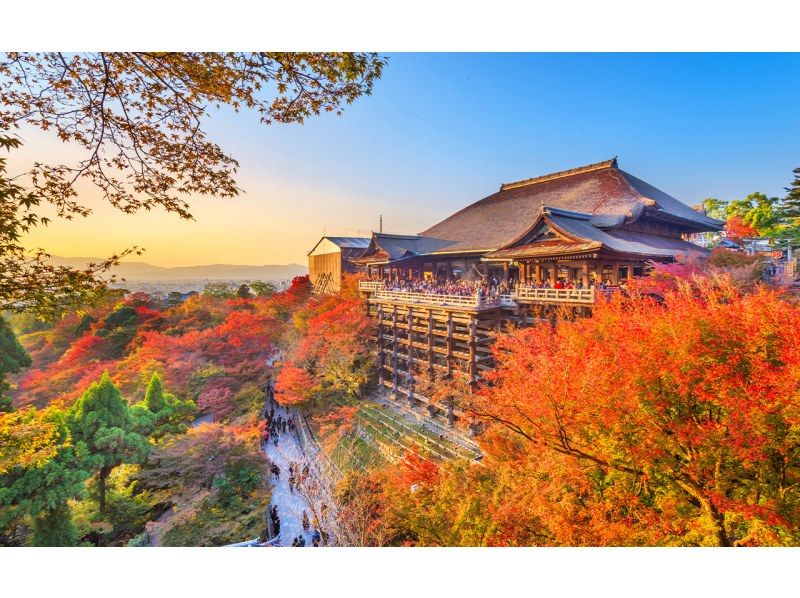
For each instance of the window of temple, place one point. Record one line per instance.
(608, 271)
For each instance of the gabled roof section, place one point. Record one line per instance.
(385, 247)
(350, 242)
(608, 195)
(344, 242)
(577, 235)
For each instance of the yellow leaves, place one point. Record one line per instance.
(28, 438)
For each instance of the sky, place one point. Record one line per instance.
(441, 131)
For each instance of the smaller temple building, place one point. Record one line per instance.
(330, 258)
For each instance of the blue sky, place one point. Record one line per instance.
(443, 130)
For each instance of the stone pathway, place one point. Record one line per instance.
(291, 504)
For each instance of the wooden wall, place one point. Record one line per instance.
(326, 264)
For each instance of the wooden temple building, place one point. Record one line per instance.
(552, 240)
(330, 258)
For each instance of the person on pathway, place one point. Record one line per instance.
(315, 538)
(306, 523)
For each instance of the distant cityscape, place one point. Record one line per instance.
(159, 281)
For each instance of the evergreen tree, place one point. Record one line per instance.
(55, 528)
(791, 203)
(40, 485)
(170, 415)
(103, 421)
(262, 289)
(243, 292)
(154, 395)
(13, 358)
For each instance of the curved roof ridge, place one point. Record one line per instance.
(394, 236)
(612, 163)
(566, 213)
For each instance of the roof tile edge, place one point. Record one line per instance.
(612, 163)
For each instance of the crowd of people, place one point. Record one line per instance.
(462, 287)
(487, 288)
(566, 283)
(276, 425)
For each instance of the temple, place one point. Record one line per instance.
(593, 224)
(512, 258)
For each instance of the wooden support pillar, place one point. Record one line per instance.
(615, 273)
(394, 351)
(430, 345)
(505, 272)
(553, 274)
(449, 344)
(537, 274)
(585, 274)
(411, 355)
(473, 341)
(381, 355)
(630, 272)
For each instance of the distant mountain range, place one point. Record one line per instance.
(145, 271)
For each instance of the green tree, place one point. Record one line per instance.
(715, 208)
(55, 528)
(170, 414)
(102, 420)
(262, 289)
(139, 118)
(13, 358)
(791, 203)
(40, 484)
(243, 292)
(173, 299)
(763, 213)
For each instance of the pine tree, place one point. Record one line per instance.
(103, 420)
(169, 415)
(791, 203)
(154, 395)
(39, 482)
(13, 358)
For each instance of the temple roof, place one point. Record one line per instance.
(610, 196)
(577, 235)
(595, 202)
(350, 242)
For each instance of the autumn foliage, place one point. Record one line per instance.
(292, 385)
(737, 229)
(652, 422)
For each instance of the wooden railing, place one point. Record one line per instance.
(521, 295)
(583, 296)
(370, 286)
(463, 301)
